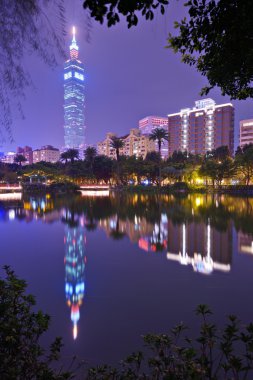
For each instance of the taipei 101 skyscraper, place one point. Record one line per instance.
(74, 127)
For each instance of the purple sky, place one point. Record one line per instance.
(129, 75)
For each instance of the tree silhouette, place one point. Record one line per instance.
(159, 135)
(90, 154)
(71, 155)
(117, 143)
(26, 26)
(19, 159)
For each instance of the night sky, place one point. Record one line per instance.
(129, 75)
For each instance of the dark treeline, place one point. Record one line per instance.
(215, 168)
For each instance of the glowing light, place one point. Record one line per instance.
(78, 75)
(198, 201)
(94, 193)
(68, 75)
(199, 180)
(74, 45)
(11, 214)
(75, 331)
(10, 196)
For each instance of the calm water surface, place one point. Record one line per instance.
(109, 269)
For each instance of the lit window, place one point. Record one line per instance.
(79, 76)
(68, 75)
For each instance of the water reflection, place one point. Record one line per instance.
(75, 262)
(245, 243)
(201, 246)
(194, 231)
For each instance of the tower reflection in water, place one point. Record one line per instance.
(75, 262)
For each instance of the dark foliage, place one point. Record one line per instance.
(217, 38)
(111, 10)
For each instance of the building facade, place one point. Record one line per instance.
(246, 132)
(46, 153)
(9, 158)
(27, 152)
(74, 127)
(148, 124)
(134, 144)
(205, 127)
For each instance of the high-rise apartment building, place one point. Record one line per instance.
(46, 153)
(205, 127)
(148, 124)
(9, 158)
(74, 99)
(246, 132)
(134, 144)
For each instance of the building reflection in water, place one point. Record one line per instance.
(198, 244)
(150, 237)
(75, 262)
(245, 243)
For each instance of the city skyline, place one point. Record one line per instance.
(171, 86)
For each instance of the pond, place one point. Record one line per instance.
(109, 268)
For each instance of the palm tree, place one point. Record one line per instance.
(64, 157)
(19, 158)
(159, 135)
(70, 154)
(117, 143)
(90, 154)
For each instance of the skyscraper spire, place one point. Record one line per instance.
(74, 34)
(73, 47)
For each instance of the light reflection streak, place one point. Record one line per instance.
(10, 196)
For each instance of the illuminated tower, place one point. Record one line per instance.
(75, 261)
(74, 99)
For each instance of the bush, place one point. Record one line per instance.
(213, 355)
(21, 355)
(180, 186)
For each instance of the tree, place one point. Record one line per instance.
(153, 156)
(19, 159)
(64, 157)
(221, 153)
(244, 162)
(213, 354)
(21, 328)
(217, 170)
(70, 154)
(117, 144)
(212, 38)
(89, 155)
(10, 177)
(178, 157)
(159, 135)
(26, 27)
(111, 10)
(103, 168)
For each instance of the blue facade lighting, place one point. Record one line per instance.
(74, 99)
